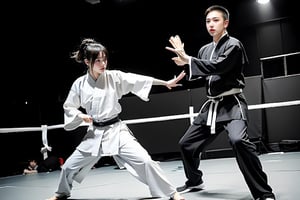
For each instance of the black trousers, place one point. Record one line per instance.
(196, 139)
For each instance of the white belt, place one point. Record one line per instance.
(214, 102)
(212, 114)
(229, 92)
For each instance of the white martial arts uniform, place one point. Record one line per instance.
(100, 100)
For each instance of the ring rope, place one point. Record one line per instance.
(191, 115)
(155, 119)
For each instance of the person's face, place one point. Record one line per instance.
(100, 64)
(32, 164)
(215, 24)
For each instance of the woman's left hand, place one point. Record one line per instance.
(173, 82)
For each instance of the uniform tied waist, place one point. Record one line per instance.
(212, 113)
(106, 123)
(212, 110)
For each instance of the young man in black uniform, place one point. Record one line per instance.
(221, 64)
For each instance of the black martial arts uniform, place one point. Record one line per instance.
(221, 65)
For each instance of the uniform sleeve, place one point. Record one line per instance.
(224, 62)
(71, 109)
(139, 85)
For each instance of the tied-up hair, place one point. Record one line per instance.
(89, 49)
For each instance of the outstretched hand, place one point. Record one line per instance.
(174, 82)
(178, 48)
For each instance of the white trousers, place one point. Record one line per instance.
(131, 155)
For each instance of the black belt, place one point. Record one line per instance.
(108, 122)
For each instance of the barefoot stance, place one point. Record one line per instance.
(176, 196)
(53, 198)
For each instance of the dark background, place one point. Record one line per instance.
(38, 37)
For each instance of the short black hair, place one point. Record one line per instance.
(219, 8)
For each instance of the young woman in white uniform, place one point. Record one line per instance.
(98, 93)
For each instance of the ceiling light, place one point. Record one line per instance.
(263, 1)
(93, 1)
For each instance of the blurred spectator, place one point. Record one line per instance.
(51, 163)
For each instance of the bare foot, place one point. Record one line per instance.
(176, 196)
(53, 198)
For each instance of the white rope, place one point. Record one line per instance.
(274, 105)
(156, 119)
(45, 148)
(191, 115)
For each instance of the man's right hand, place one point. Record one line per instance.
(178, 48)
